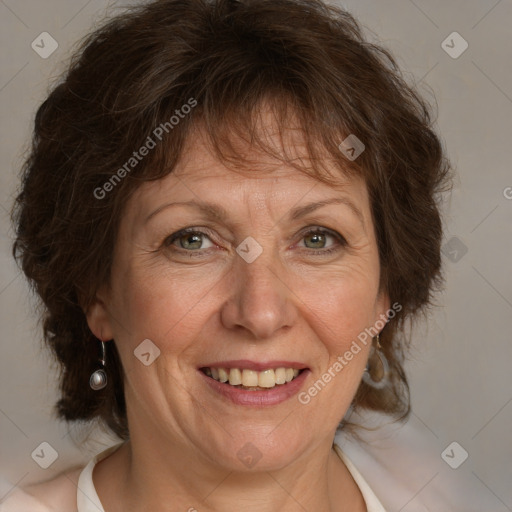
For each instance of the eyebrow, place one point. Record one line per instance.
(219, 213)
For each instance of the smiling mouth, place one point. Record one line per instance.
(252, 380)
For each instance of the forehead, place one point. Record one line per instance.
(258, 148)
(274, 154)
(275, 169)
(201, 171)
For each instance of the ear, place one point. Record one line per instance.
(382, 306)
(98, 320)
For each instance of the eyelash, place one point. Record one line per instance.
(317, 230)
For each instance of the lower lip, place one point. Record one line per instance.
(279, 393)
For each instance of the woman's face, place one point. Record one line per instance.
(270, 276)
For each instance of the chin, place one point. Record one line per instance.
(269, 451)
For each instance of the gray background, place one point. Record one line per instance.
(460, 365)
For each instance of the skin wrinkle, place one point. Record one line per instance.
(220, 307)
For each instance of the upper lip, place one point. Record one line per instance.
(257, 366)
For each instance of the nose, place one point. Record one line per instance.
(261, 300)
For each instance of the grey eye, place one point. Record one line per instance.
(188, 240)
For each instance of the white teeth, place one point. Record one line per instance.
(266, 379)
(235, 377)
(280, 375)
(251, 378)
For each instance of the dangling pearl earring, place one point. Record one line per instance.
(98, 379)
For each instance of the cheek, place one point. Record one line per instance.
(342, 304)
(340, 311)
(161, 306)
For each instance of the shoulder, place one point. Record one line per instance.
(56, 495)
(400, 460)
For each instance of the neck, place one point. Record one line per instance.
(148, 475)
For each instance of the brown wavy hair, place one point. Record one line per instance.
(131, 74)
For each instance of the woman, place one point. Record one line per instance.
(229, 212)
